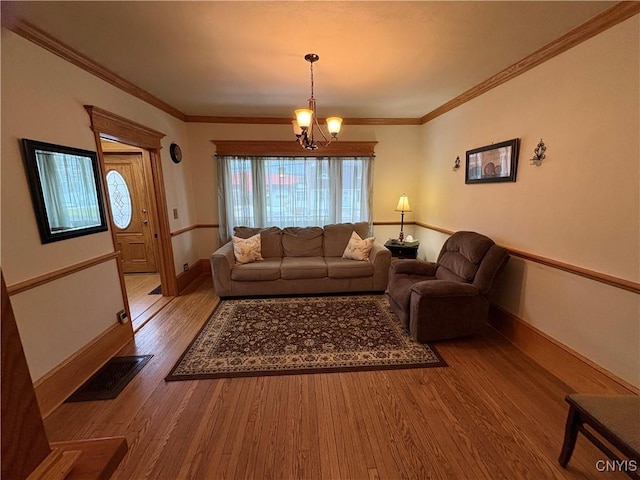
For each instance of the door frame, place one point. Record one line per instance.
(108, 125)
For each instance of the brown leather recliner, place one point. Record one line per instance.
(446, 299)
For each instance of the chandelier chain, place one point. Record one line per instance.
(311, 63)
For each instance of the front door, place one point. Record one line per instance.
(130, 202)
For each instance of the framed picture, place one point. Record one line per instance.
(494, 163)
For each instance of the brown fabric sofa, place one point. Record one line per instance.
(447, 299)
(300, 260)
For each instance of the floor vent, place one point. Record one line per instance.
(110, 380)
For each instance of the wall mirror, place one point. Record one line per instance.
(65, 189)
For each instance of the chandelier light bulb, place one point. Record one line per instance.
(333, 125)
(304, 116)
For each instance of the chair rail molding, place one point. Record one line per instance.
(56, 274)
(576, 270)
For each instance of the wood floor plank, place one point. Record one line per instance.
(255, 454)
(491, 414)
(350, 443)
(385, 454)
(326, 431)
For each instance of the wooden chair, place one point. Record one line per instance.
(616, 418)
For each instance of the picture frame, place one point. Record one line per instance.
(497, 162)
(65, 189)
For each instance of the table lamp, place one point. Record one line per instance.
(403, 206)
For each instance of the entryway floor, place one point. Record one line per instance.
(143, 305)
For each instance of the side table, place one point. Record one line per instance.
(402, 249)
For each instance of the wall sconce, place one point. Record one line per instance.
(456, 164)
(538, 154)
(403, 206)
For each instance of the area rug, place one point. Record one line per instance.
(279, 336)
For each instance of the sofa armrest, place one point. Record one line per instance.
(414, 267)
(444, 288)
(380, 257)
(222, 262)
(442, 309)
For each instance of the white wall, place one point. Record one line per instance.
(581, 206)
(43, 98)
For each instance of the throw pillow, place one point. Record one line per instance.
(357, 248)
(247, 250)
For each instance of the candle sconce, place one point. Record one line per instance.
(456, 164)
(538, 154)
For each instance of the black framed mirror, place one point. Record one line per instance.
(65, 189)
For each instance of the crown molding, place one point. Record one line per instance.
(46, 41)
(287, 121)
(598, 24)
(616, 14)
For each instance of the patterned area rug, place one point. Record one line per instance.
(278, 336)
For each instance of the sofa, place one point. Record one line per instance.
(300, 260)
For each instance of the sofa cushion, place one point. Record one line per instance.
(268, 269)
(337, 235)
(358, 248)
(246, 250)
(338, 267)
(303, 267)
(302, 242)
(270, 239)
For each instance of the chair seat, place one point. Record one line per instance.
(616, 418)
(619, 413)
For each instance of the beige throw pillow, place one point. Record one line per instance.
(247, 250)
(357, 248)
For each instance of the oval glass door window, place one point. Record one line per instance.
(120, 199)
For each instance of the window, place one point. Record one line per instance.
(120, 199)
(293, 191)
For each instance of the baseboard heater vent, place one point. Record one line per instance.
(110, 380)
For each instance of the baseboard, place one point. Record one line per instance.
(577, 371)
(62, 381)
(185, 279)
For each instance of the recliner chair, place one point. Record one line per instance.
(446, 299)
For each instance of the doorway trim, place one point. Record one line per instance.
(108, 125)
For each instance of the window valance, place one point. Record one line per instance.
(275, 148)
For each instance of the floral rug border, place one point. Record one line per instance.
(392, 348)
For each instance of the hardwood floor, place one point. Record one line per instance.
(142, 305)
(491, 414)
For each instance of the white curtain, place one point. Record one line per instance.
(69, 191)
(292, 191)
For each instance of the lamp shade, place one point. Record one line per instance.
(403, 204)
(333, 125)
(304, 116)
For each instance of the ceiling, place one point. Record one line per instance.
(378, 59)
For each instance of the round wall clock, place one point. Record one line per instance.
(176, 153)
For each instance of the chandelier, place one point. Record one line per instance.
(306, 118)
